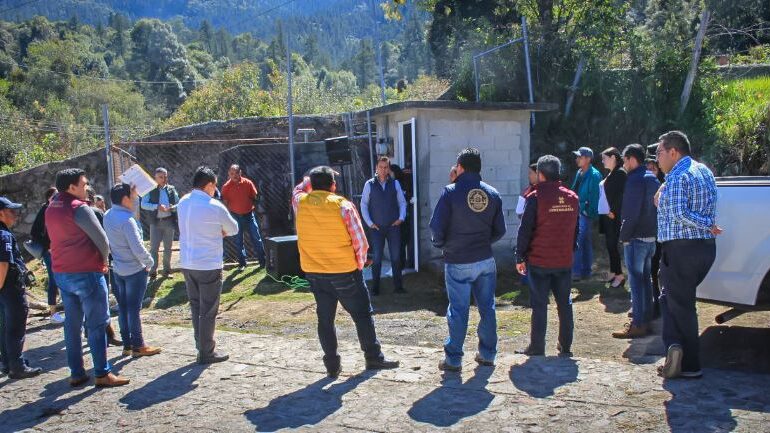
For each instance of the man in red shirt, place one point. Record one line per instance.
(239, 195)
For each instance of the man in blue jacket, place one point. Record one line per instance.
(586, 185)
(467, 220)
(638, 231)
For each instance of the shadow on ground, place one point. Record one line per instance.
(49, 404)
(454, 400)
(167, 387)
(539, 376)
(305, 407)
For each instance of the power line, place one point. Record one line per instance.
(265, 12)
(20, 5)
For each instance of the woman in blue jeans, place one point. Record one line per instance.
(131, 263)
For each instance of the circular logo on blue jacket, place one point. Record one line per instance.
(478, 200)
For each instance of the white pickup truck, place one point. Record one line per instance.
(740, 276)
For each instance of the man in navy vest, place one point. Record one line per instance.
(160, 209)
(467, 220)
(383, 208)
(545, 251)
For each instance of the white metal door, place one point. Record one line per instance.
(407, 159)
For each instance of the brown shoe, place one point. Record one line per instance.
(631, 331)
(145, 351)
(110, 380)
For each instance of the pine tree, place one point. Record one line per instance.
(206, 36)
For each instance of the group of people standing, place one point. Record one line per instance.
(553, 249)
(87, 249)
(673, 221)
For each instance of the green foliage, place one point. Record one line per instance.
(739, 112)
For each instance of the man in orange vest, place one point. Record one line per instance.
(332, 249)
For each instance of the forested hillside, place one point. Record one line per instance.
(158, 73)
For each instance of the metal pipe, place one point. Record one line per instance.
(290, 110)
(107, 147)
(729, 315)
(372, 151)
(525, 36)
(476, 76)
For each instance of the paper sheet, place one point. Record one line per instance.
(139, 178)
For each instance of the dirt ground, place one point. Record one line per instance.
(252, 302)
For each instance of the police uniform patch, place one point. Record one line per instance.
(478, 200)
(8, 247)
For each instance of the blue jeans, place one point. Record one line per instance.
(85, 294)
(247, 223)
(129, 291)
(53, 291)
(584, 254)
(543, 281)
(393, 235)
(462, 280)
(638, 256)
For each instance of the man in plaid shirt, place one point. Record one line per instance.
(332, 248)
(687, 230)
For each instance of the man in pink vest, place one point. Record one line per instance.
(79, 253)
(545, 250)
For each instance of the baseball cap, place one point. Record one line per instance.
(584, 151)
(7, 204)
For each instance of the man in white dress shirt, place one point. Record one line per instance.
(203, 222)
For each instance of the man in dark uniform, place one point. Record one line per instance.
(467, 220)
(13, 298)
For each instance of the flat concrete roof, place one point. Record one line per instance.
(460, 105)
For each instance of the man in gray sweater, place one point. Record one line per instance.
(131, 263)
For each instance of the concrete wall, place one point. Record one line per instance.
(28, 186)
(502, 137)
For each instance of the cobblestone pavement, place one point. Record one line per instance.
(273, 383)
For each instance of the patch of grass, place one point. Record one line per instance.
(236, 287)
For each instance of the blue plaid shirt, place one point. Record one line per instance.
(688, 203)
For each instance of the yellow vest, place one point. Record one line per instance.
(324, 243)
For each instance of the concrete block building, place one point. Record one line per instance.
(424, 137)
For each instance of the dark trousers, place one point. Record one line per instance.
(683, 266)
(350, 290)
(392, 235)
(543, 281)
(13, 323)
(655, 280)
(203, 290)
(53, 290)
(612, 238)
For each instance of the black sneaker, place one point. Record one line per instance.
(25, 373)
(691, 374)
(381, 364)
(672, 368)
(530, 352)
(334, 373)
(484, 362)
(443, 366)
(214, 358)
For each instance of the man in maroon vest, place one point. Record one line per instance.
(545, 250)
(79, 254)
